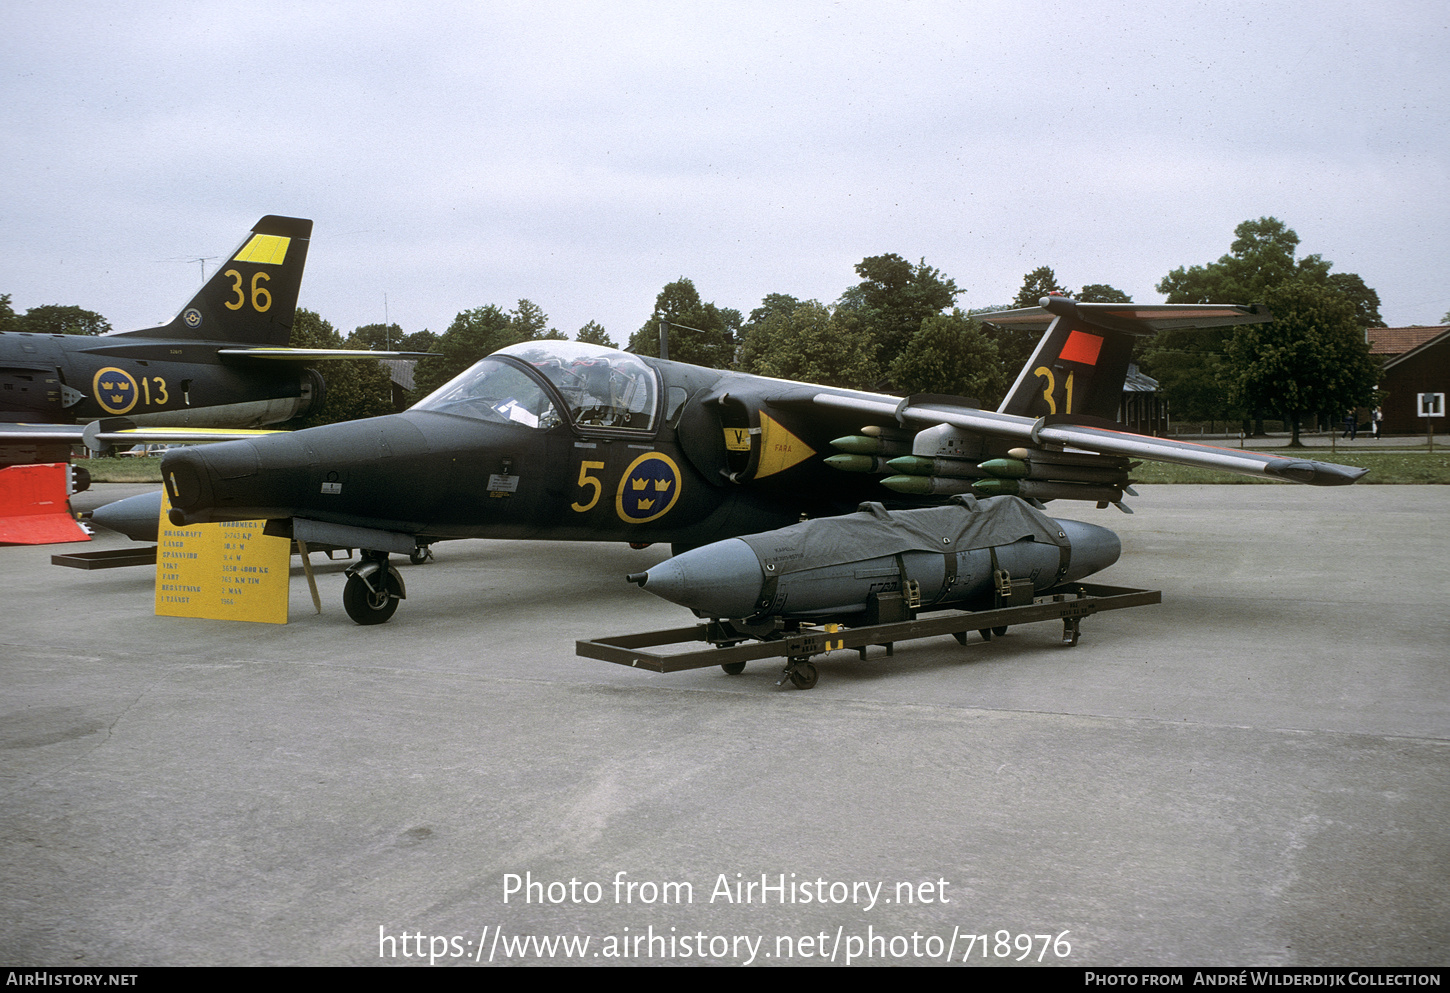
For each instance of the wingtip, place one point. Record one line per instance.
(1315, 473)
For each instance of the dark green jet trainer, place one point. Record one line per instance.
(568, 441)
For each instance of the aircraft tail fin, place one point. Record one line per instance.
(252, 298)
(1081, 363)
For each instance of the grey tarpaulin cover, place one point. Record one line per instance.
(874, 532)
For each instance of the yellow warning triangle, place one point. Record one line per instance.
(779, 449)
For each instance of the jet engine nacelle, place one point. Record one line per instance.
(311, 394)
(721, 436)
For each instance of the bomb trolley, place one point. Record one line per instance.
(889, 620)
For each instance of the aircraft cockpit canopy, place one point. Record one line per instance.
(601, 388)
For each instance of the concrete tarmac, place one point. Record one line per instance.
(1254, 772)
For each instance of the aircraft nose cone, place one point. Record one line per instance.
(375, 469)
(718, 580)
(1094, 548)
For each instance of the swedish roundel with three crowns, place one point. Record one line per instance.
(648, 489)
(115, 390)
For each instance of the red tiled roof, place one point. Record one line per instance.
(1398, 341)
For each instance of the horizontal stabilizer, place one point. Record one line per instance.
(1128, 318)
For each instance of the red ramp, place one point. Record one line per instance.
(35, 506)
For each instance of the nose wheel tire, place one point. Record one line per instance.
(367, 606)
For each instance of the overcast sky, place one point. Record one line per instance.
(582, 155)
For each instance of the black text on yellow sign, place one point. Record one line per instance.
(225, 572)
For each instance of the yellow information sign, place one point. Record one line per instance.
(225, 572)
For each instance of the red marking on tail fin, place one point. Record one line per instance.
(1081, 347)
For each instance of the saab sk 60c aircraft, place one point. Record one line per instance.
(567, 441)
(222, 362)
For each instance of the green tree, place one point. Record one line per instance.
(950, 354)
(1311, 357)
(1260, 259)
(1196, 368)
(1191, 369)
(472, 335)
(811, 344)
(1366, 301)
(1102, 293)
(364, 389)
(476, 333)
(376, 337)
(593, 333)
(700, 333)
(894, 297)
(418, 341)
(1261, 256)
(530, 321)
(310, 330)
(355, 387)
(7, 314)
(1038, 283)
(773, 304)
(1014, 345)
(762, 331)
(57, 319)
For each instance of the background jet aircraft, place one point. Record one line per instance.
(222, 362)
(561, 440)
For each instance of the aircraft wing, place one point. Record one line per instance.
(314, 354)
(108, 433)
(100, 435)
(1115, 441)
(1099, 436)
(20, 433)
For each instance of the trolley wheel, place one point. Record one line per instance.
(986, 633)
(733, 668)
(803, 675)
(999, 631)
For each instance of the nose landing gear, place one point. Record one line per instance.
(373, 589)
